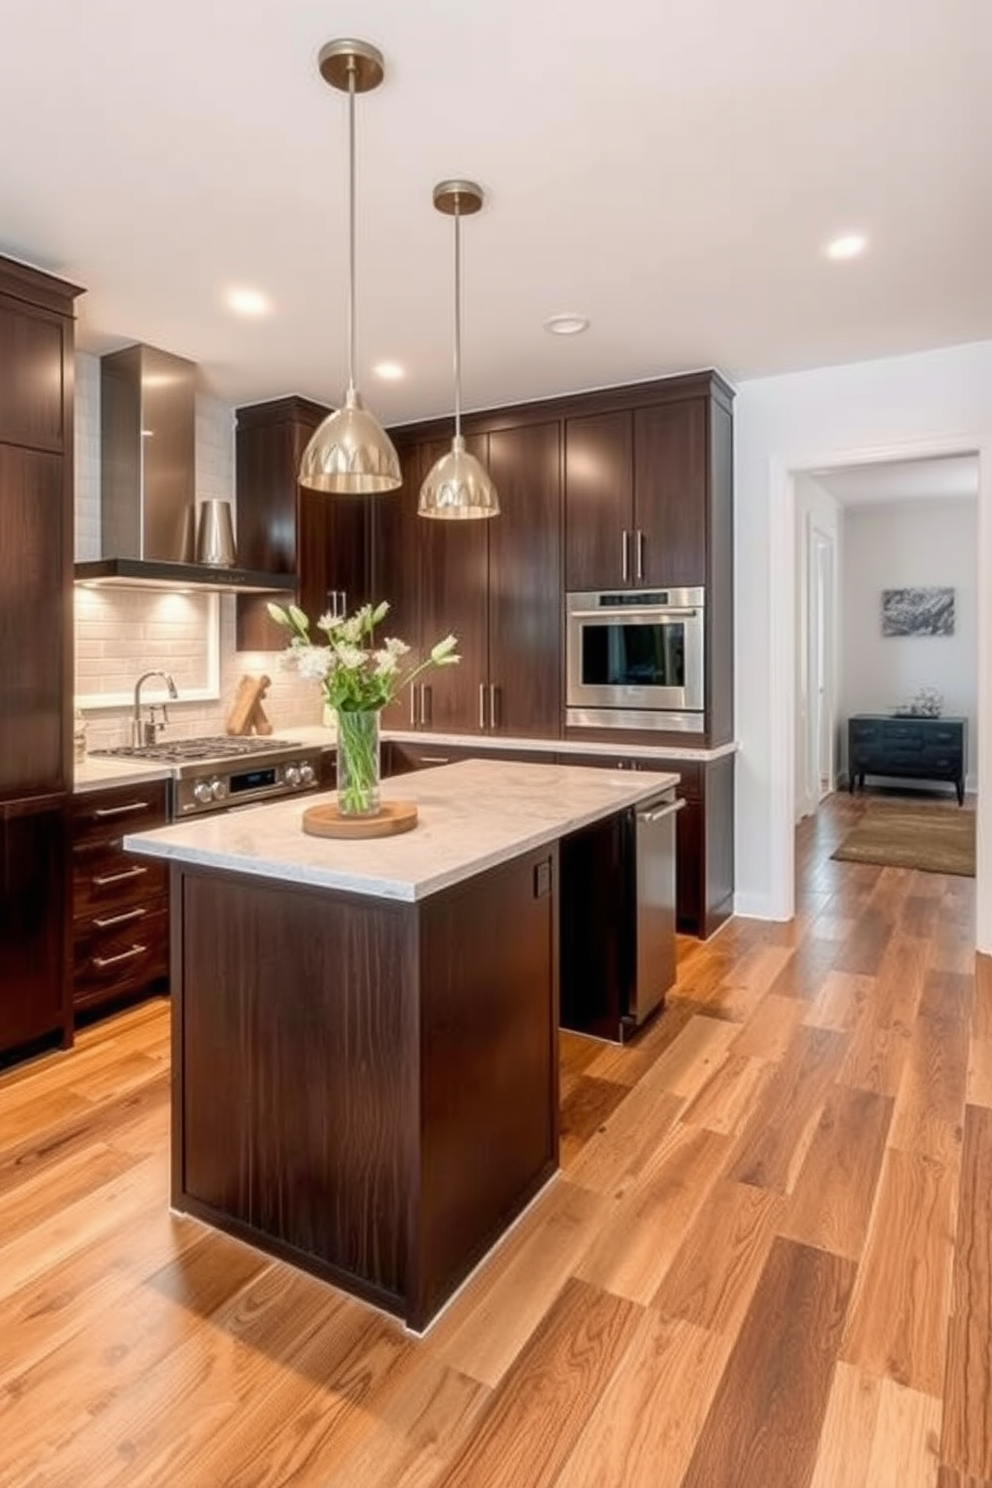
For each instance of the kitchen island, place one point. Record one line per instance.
(365, 1072)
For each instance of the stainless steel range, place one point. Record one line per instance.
(219, 772)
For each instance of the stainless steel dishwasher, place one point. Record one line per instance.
(617, 921)
(654, 906)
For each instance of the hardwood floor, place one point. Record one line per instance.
(766, 1263)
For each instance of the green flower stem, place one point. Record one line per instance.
(358, 763)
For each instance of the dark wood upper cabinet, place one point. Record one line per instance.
(493, 583)
(35, 645)
(640, 485)
(285, 529)
(669, 508)
(599, 499)
(524, 611)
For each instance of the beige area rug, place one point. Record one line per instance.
(938, 839)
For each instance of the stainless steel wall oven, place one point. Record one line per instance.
(634, 659)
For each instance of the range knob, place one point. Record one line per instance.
(203, 793)
(292, 776)
(218, 788)
(307, 773)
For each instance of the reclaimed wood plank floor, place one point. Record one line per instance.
(767, 1259)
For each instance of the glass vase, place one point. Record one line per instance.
(358, 763)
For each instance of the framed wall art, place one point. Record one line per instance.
(918, 612)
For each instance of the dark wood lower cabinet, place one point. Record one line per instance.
(365, 1088)
(34, 948)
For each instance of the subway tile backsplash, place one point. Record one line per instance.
(121, 633)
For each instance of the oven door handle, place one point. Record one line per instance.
(631, 612)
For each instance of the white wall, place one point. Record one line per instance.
(904, 545)
(932, 403)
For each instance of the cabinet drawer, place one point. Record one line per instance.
(864, 730)
(121, 953)
(903, 736)
(105, 815)
(104, 882)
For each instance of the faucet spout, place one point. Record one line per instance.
(144, 733)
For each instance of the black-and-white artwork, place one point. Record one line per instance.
(917, 612)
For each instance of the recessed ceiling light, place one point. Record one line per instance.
(250, 302)
(849, 245)
(389, 371)
(567, 324)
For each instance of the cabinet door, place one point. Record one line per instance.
(454, 559)
(32, 393)
(525, 608)
(598, 500)
(33, 920)
(394, 561)
(35, 620)
(670, 472)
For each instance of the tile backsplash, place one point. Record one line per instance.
(121, 633)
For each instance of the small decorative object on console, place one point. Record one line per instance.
(928, 703)
(358, 679)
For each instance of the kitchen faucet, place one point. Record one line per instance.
(143, 733)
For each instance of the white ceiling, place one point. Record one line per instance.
(669, 169)
(954, 477)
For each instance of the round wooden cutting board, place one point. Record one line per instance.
(391, 818)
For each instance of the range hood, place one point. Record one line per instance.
(148, 498)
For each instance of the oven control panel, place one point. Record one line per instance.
(220, 787)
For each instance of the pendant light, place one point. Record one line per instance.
(349, 453)
(458, 485)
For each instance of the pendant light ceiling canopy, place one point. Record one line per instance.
(350, 454)
(458, 485)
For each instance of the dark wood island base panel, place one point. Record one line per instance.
(366, 1088)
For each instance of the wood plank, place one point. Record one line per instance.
(726, 1104)
(764, 1424)
(898, 1322)
(980, 1072)
(769, 1030)
(966, 1442)
(617, 1154)
(832, 1201)
(907, 1429)
(712, 1279)
(773, 1146)
(537, 1414)
(844, 1451)
(643, 1430)
(840, 1002)
(649, 1222)
(929, 1108)
(692, 1060)
(585, 1109)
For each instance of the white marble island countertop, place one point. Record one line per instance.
(472, 816)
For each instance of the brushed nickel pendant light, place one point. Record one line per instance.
(458, 485)
(350, 454)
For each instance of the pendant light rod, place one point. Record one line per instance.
(351, 223)
(458, 486)
(349, 454)
(458, 199)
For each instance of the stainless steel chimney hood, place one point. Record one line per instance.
(148, 499)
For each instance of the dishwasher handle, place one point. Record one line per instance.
(658, 813)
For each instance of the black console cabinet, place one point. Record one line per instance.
(914, 747)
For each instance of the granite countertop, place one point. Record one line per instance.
(473, 816)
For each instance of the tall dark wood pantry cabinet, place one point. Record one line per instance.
(36, 663)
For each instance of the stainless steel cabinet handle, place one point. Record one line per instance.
(482, 705)
(640, 554)
(493, 696)
(661, 812)
(434, 759)
(111, 878)
(625, 555)
(119, 919)
(426, 704)
(102, 812)
(413, 705)
(102, 962)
